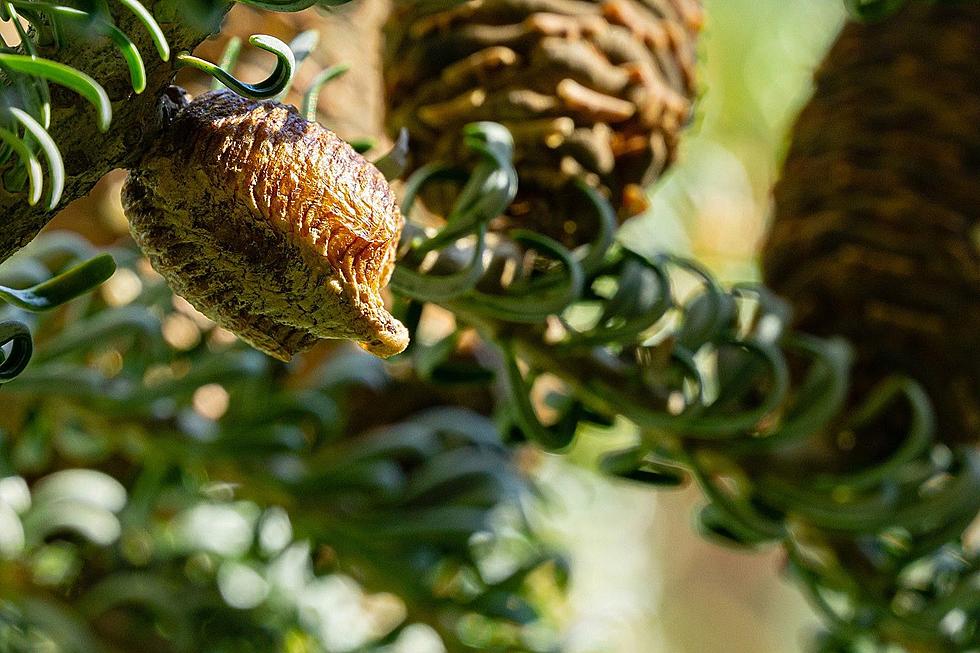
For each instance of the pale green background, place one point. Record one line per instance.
(643, 580)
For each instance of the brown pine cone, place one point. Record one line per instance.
(877, 215)
(592, 89)
(269, 224)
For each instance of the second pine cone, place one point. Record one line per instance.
(596, 90)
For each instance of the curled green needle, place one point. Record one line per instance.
(279, 80)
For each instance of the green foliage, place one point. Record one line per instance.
(45, 296)
(718, 387)
(277, 82)
(245, 511)
(65, 287)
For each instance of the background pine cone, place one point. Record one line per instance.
(876, 227)
(590, 89)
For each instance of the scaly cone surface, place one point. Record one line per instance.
(597, 90)
(876, 234)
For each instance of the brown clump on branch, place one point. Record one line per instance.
(269, 224)
(875, 234)
(593, 90)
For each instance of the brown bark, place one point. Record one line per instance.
(876, 227)
(89, 154)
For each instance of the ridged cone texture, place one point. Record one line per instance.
(270, 225)
(592, 90)
(876, 234)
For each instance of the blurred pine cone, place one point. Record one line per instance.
(877, 216)
(591, 89)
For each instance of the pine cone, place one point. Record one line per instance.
(270, 225)
(876, 228)
(592, 89)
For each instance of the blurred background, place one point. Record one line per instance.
(642, 580)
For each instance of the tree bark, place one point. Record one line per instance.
(89, 154)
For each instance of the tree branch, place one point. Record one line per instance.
(88, 153)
